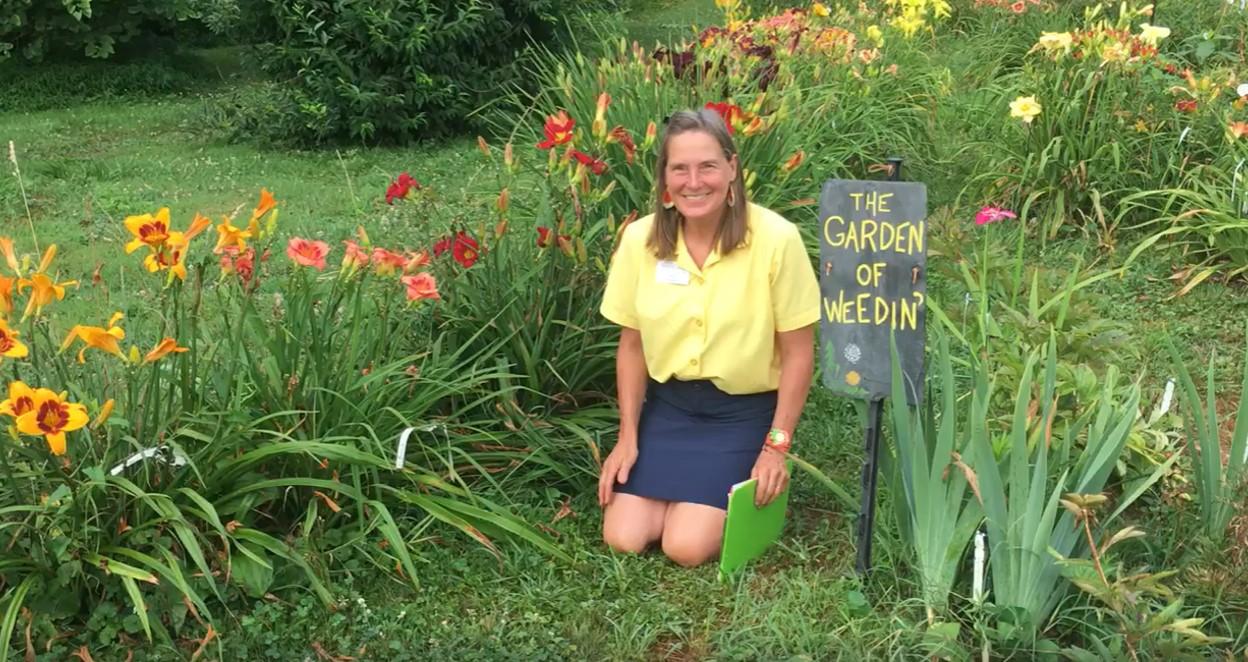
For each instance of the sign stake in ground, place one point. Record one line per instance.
(873, 280)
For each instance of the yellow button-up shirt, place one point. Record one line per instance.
(718, 322)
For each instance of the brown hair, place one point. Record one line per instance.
(733, 226)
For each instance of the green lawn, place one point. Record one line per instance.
(86, 167)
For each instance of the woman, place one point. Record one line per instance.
(717, 300)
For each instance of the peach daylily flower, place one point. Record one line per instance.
(307, 253)
(421, 286)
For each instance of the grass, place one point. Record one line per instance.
(87, 166)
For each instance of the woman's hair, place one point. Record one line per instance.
(733, 227)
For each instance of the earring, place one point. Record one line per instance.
(668, 202)
(732, 196)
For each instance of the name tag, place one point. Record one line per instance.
(671, 273)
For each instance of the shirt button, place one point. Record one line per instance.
(699, 323)
(693, 361)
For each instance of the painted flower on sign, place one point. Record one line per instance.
(989, 215)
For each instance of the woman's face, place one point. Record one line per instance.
(698, 175)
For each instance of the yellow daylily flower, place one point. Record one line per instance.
(51, 418)
(21, 400)
(10, 346)
(228, 235)
(102, 338)
(163, 348)
(820, 9)
(1151, 34)
(1025, 108)
(148, 230)
(1056, 41)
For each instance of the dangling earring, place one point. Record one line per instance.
(732, 195)
(668, 202)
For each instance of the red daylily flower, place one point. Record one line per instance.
(731, 113)
(596, 166)
(558, 130)
(621, 135)
(544, 235)
(465, 250)
(443, 245)
(400, 187)
(1185, 105)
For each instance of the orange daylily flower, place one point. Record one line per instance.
(102, 338)
(148, 230)
(7, 285)
(21, 400)
(10, 346)
(794, 161)
(266, 205)
(51, 417)
(163, 348)
(599, 127)
(6, 246)
(1238, 129)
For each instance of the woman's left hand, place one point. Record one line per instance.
(772, 474)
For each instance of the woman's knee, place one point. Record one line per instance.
(626, 539)
(688, 552)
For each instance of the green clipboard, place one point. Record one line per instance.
(748, 529)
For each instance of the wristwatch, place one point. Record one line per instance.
(778, 440)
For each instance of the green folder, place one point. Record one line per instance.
(748, 529)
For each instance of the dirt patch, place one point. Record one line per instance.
(671, 648)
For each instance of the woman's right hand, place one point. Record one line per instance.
(616, 468)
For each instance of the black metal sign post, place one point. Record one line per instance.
(873, 282)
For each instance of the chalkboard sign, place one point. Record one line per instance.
(873, 250)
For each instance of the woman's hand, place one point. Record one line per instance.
(617, 466)
(772, 474)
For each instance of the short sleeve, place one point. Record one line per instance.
(795, 292)
(619, 300)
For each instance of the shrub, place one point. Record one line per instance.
(395, 70)
(35, 29)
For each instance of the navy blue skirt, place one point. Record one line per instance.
(694, 441)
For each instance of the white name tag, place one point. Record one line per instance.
(671, 273)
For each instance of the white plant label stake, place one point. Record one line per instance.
(977, 582)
